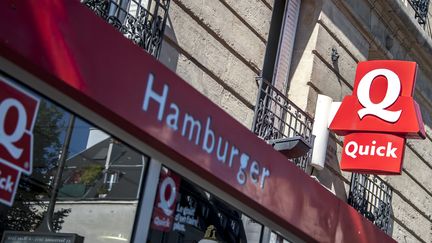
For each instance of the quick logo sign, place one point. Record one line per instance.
(166, 199)
(378, 118)
(18, 109)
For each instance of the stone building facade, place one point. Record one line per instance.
(220, 48)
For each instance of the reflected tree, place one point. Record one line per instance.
(31, 200)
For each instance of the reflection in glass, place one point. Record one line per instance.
(31, 199)
(199, 215)
(106, 169)
(101, 182)
(277, 238)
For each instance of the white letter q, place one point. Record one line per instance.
(393, 90)
(165, 204)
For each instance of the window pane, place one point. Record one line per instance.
(105, 169)
(100, 184)
(195, 214)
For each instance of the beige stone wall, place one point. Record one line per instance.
(361, 30)
(218, 47)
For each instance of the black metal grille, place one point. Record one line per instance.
(372, 197)
(421, 10)
(277, 117)
(142, 21)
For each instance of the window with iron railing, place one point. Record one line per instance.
(278, 120)
(421, 8)
(372, 198)
(142, 21)
(277, 117)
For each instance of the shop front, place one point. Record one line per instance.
(140, 154)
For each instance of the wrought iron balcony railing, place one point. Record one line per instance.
(372, 197)
(421, 8)
(277, 117)
(142, 21)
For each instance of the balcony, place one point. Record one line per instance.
(142, 21)
(421, 8)
(276, 118)
(372, 197)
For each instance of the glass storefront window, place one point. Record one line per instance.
(100, 185)
(184, 212)
(107, 169)
(277, 238)
(31, 198)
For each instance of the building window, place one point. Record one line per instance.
(372, 197)
(421, 8)
(142, 21)
(276, 118)
(280, 43)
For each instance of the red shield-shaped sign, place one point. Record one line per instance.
(18, 110)
(381, 101)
